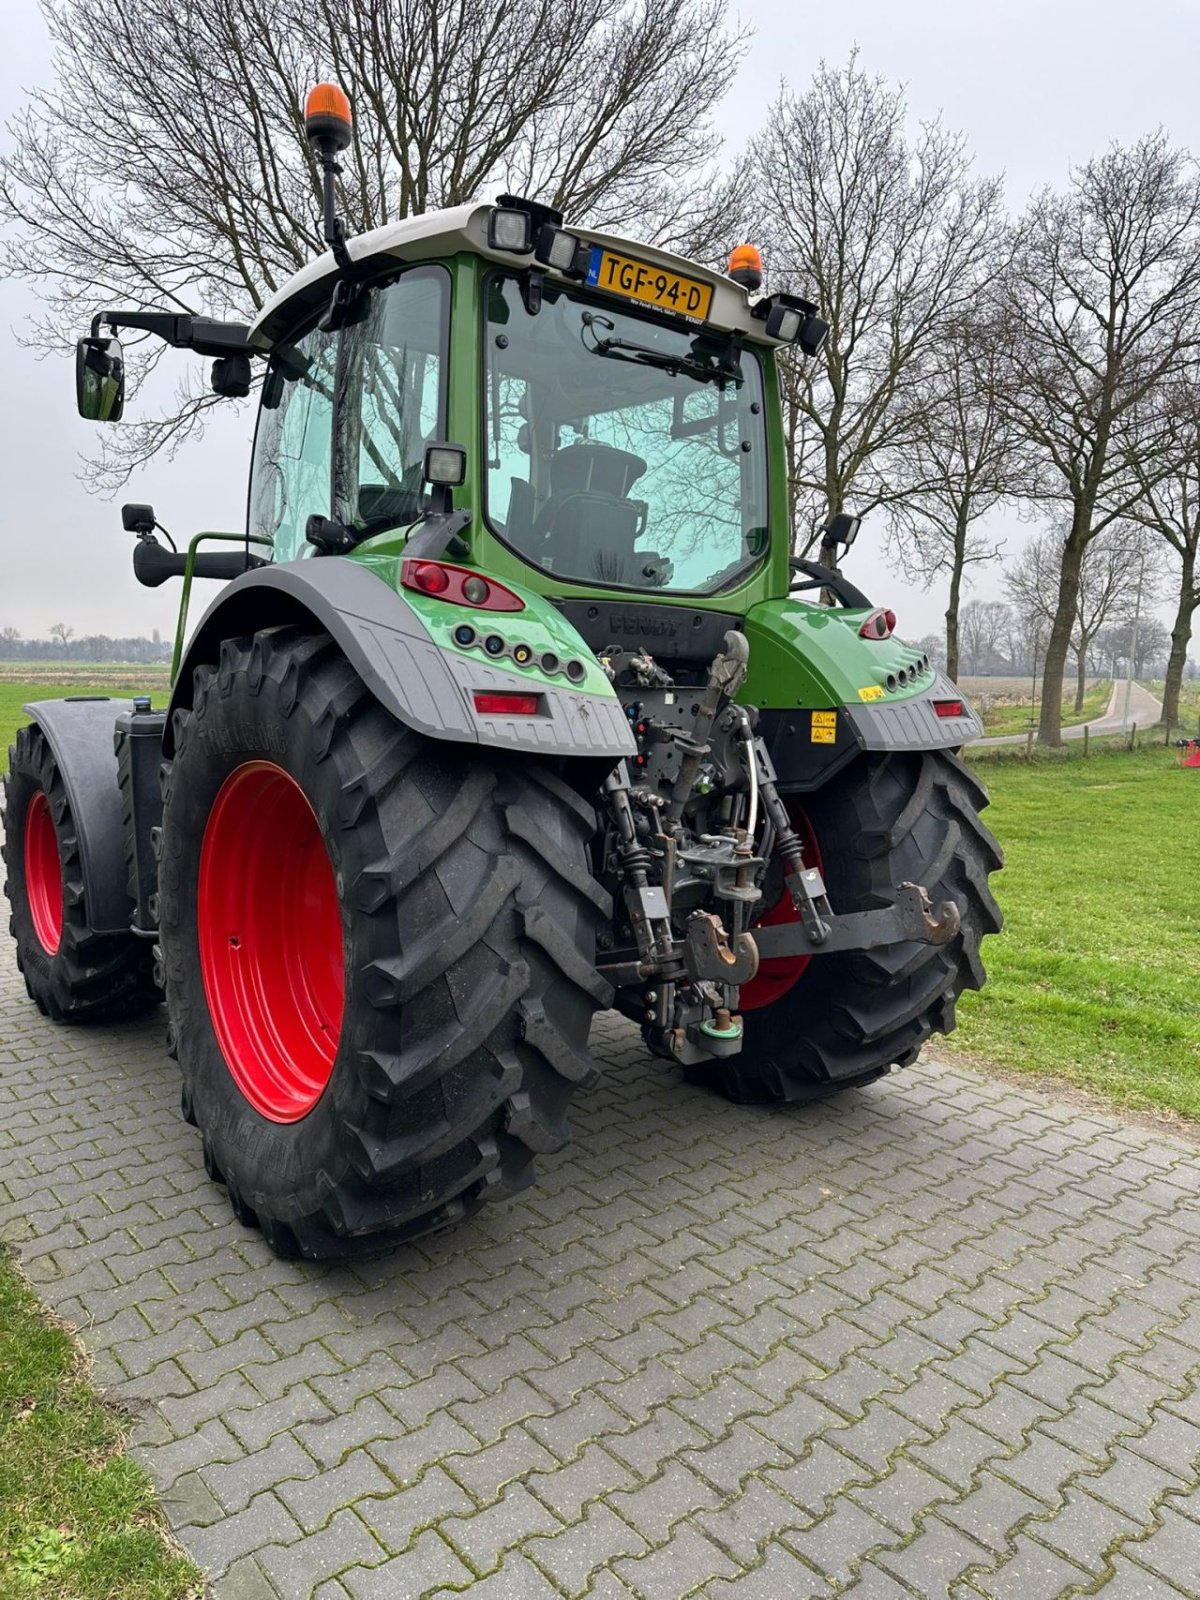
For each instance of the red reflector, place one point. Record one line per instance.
(949, 708)
(507, 705)
(878, 625)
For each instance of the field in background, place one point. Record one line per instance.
(56, 682)
(1007, 706)
(1093, 980)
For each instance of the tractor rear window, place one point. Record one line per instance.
(622, 451)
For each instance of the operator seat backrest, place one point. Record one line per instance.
(594, 469)
(589, 524)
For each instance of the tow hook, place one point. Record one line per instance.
(939, 929)
(708, 954)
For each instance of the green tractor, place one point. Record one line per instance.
(482, 737)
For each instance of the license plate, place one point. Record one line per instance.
(649, 286)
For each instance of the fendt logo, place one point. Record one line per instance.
(657, 627)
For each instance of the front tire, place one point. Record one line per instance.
(378, 950)
(847, 1019)
(72, 973)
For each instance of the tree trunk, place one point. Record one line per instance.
(1050, 723)
(1081, 678)
(1181, 634)
(956, 572)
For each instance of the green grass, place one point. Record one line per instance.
(51, 685)
(1189, 700)
(1016, 719)
(77, 1517)
(1093, 980)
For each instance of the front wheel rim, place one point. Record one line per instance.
(43, 874)
(270, 941)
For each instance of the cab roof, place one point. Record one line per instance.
(438, 234)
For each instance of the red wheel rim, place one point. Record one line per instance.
(774, 978)
(43, 874)
(270, 936)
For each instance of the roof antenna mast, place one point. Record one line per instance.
(329, 128)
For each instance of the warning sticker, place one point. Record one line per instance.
(824, 727)
(873, 691)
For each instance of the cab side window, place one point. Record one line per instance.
(293, 447)
(393, 377)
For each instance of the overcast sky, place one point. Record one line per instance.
(1036, 85)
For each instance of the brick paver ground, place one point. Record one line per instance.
(938, 1338)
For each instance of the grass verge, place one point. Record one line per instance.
(1093, 980)
(77, 1518)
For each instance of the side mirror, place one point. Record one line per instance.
(842, 530)
(100, 379)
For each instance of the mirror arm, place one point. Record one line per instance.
(204, 335)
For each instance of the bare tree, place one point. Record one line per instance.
(61, 633)
(187, 184)
(9, 634)
(982, 625)
(892, 240)
(1101, 306)
(963, 456)
(1107, 579)
(1170, 505)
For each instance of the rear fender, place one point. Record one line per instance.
(423, 686)
(80, 735)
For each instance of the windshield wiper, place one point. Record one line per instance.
(726, 369)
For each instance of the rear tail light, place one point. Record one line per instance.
(949, 708)
(459, 585)
(878, 625)
(497, 703)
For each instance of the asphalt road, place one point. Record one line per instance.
(1143, 709)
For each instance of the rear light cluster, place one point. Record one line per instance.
(459, 585)
(879, 625)
(949, 708)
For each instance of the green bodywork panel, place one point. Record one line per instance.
(808, 655)
(541, 626)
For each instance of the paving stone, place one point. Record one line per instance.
(585, 1547)
(428, 1568)
(481, 1537)
(939, 1337)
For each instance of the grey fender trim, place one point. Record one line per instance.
(914, 724)
(428, 689)
(80, 736)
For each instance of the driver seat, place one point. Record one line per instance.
(588, 526)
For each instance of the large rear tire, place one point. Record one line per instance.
(847, 1019)
(71, 972)
(378, 952)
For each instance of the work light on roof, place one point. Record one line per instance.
(561, 250)
(510, 230)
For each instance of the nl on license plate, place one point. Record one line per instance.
(650, 286)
